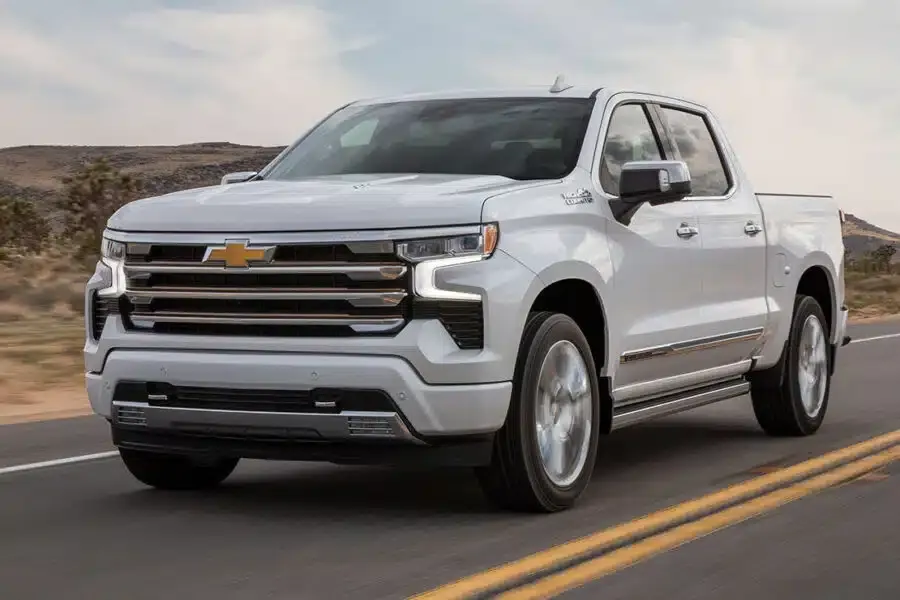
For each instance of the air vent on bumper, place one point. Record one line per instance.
(363, 426)
(98, 315)
(131, 416)
(464, 321)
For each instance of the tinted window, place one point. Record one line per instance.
(628, 138)
(694, 140)
(519, 138)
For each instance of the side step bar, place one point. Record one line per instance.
(680, 402)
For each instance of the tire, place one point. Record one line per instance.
(777, 393)
(177, 471)
(516, 479)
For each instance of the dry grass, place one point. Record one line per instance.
(41, 368)
(41, 336)
(872, 295)
(42, 332)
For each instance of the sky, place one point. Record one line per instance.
(807, 89)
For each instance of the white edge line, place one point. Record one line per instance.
(876, 337)
(57, 462)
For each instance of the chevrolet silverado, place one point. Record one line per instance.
(492, 279)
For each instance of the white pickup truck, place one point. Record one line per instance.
(493, 279)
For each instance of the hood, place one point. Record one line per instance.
(347, 202)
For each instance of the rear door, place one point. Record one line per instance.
(733, 310)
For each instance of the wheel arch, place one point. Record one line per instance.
(573, 293)
(816, 281)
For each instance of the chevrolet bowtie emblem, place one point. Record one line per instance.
(235, 253)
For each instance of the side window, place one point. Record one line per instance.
(692, 136)
(629, 137)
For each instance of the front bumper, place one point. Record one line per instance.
(467, 452)
(437, 393)
(419, 412)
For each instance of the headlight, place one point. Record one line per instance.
(112, 250)
(480, 244)
(430, 255)
(112, 254)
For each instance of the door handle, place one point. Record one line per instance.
(752, 228)
(687, 231)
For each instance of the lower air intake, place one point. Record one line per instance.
(132, 416)
(370, 426)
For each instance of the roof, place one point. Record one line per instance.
(533, 91)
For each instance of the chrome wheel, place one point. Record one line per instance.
(563, 413)
(812, 366)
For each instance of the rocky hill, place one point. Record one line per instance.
(37, 173)
(861, 236)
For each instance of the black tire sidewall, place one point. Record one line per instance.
(177, 471)
(806, 306)
(555, 328)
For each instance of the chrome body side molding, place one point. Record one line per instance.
(705, 343)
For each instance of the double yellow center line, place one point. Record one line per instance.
(567, 566)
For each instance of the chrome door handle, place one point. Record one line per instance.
(687, 231)
(752, 228)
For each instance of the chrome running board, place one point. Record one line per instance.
(639, 412)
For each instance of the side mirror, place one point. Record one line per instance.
(654, 182)
(239, 177)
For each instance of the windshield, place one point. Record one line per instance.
(519, 138)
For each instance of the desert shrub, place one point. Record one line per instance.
(22, 228)
(878, 283)
(6, 292)
(40, 297)
(9, 314)
(91, 197)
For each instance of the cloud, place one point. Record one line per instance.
(255, 74)
(806, 89)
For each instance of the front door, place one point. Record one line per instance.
(657, 278)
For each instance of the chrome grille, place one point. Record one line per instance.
(354, 288)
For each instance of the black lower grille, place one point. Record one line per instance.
(318, 400)
(464, 321)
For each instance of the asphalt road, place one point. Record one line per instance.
(274, 530)
(841, 544)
